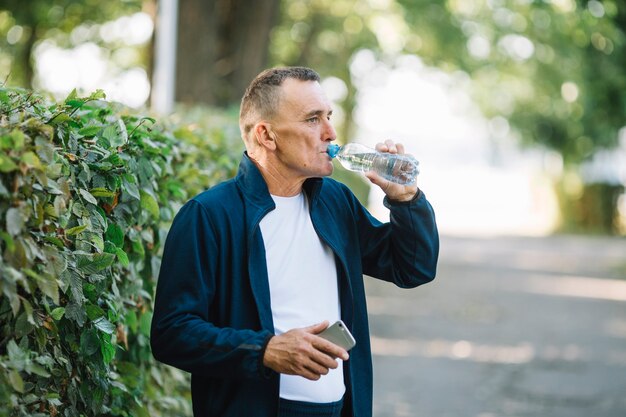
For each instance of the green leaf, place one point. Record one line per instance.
(75, 282)
(50, 287)
(47, 283)
(104, 325)
(97, 398)
(34, 368)
(6, 163)
(31, 160)
(28, 310)
(22, 325)
(89, 342)
(8, 240)
(102, 192)
(131, 320)
(131, 189)
(55, 402)
(90, 264)
(3, 190)
(73, 95)
(140, 411)
(89, 131)
(87, 196)
(76, 313)
(116, 134)
(123, 134)
(115, 235)
(62, 117)
(149, 204)
(57, 313)
(14, 221)
(138, 248)
(14, 301)
(119, 385)
(122, 257)
(97, 95)
(16, 381)
(107, 349)
(16, 355)
(75, 230)
(55, 241)
(90, 292)
(56, 260)
(18, 138)
(97, 240)
(109, 133)
(144, 323)
(79, 209)
(94, 312)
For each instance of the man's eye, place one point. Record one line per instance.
(313, 119)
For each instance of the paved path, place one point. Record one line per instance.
(519, 327)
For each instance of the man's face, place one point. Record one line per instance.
(303, 130)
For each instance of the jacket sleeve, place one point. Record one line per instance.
(181, 333)
(405, 250)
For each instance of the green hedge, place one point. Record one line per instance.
(87, 192)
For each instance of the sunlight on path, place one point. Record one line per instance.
(583, 287)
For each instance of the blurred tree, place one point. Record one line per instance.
(552, 69)
(324, 35)
(23, 23)
(222, 45)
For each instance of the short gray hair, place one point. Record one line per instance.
(261, 99)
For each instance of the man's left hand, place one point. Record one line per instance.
(395, 192)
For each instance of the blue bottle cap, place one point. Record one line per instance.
(333, 150)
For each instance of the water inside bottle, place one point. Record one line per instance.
(398, 169)
(361, 162)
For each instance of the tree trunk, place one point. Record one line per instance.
(221, 46)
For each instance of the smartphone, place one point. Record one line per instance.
(339, 334)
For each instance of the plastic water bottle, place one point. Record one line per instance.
(401, 169)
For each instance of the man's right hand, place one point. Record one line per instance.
(302, 352)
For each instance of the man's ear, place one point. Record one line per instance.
(264, 135)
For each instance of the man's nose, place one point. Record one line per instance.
(329, 132)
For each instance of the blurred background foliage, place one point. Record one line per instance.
(88, 190)
(24, 24)
(550, 72)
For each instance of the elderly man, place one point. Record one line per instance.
(256, 267)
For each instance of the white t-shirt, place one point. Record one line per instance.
(303, 288)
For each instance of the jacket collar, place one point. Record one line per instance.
(253, 186)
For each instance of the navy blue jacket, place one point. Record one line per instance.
(212, 314)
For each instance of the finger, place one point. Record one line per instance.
(318, 369)
(317, 328)
(381, 147)
(323, 361)
(377, 180)
(330, 350)
(316, 365)
(400, 148)
(308, 374)
(391, 146)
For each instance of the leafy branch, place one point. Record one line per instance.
(84, 220)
